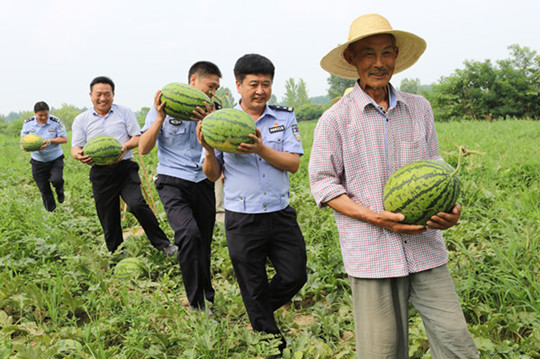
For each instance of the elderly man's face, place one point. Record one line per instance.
(374, 58)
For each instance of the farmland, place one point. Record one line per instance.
(55, 281)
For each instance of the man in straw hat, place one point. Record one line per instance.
(359, 142)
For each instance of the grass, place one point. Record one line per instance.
(55, 281)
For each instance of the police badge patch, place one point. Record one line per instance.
(175, 122)
(296, 132)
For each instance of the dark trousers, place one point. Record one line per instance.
(191, 212)
(109, 183)
(254, 238)
(44, 174)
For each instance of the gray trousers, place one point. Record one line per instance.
(381, 309)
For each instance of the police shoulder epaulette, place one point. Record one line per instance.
(218, 106)
(55, 119)
(281, 108)
(29, 119)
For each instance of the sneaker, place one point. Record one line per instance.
(170, 250)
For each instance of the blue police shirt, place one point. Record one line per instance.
(51, 129)
(119, 123)
(179, 152)
(252, 185)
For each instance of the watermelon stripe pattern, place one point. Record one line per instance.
(181, 100)
(421, 190)
(103, 150)
(226, 129)
(129, 268)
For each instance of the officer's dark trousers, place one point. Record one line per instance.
(254, 238)
(109, 183)
(44, 174)
(191, 212)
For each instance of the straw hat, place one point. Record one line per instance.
(346, 92)
(411, 47)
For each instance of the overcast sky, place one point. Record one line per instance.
(50, 50)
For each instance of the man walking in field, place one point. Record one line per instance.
(358, 143)
(259, 222)
(48, 162)
(120, 179)
(186, 193)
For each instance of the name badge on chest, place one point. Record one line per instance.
(175, 122)
(276, 129)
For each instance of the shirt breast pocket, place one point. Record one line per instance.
(411, 151)
(275, 142)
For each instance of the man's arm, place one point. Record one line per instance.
(391, 221)
(149, 137)
(76, 153)
(285, 161)
(211, 166)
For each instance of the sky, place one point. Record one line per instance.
(50, 50)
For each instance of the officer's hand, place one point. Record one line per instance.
(160, 106)
(255, 147)
(200, 138)
(201, 113)
(45, 145)
(443, 220)
(392, 222)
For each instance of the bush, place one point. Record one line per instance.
(311, 111)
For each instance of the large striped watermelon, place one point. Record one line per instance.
(226, 129)
(129, 268)
(32, 142)
(181, 100)
(103, 150)
(422, 189)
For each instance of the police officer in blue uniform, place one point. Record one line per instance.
(187, 195)
(48, 162)
(259, 222)
(120, 179)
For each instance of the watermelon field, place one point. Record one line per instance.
(55, 281)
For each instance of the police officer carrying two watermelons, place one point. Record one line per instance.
(259, 222)
(48, 161)
(120, 179)
(187, 195)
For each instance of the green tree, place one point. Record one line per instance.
(67, 114)
(295, 93)
(310, 111)
(141, 115)
(14, 127)
(410, 86)
(338, 85)
(483, 90)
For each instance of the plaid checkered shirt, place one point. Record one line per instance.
(356, 148)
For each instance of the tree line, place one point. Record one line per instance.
(487, 90)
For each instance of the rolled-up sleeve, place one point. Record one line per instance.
(326, 162)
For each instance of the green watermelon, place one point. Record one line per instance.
(103, 150)
(181, 99)
(32, 142)
(129, 268)
(226, 129)
(422, 189)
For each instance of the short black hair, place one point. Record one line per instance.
(102, 80)
(203, 68)
(41, 106)
(252, 64)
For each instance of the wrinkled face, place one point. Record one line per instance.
(102, 97)
(42, 116)
(374, 58)
(207, 84)
(255, 91)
